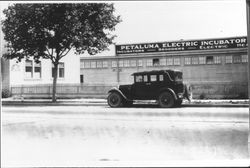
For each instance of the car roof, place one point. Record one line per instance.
(155, 72)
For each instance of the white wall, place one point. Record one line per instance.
(71, 72)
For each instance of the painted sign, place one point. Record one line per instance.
(237, 42)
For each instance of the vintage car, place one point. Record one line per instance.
(164, 86)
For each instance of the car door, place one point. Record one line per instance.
(140, 87)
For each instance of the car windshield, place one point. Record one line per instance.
(178, 76)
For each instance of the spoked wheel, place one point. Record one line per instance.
(166, 100)
(114, 100)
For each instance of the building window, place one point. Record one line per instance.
(114, 64)
(163, 62)
(87, 64)
(156, 62)
(126, 63)
(229, 59)
(32, 69)
(177, 61)
(202, 60)
(37, 70)
(187, 60)
(93, 64)
(81, 64)
(209, 60)
(140, 63)
(244, 58)
(149, 62)
(29, 69)
(99, 64)
(105, 64)
(60, 73)
(169, 61)
(133, 63)
(237, 58)
(217, 60)
(195, 60)
(121, 63)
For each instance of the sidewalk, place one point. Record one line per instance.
(93, 101)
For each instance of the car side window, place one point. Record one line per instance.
(145, 78)
(138, 78)
(161, 78)
(153, 78)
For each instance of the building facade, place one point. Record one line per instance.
(215, 68)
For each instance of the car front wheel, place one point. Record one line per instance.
(114, 100)
(166, 100)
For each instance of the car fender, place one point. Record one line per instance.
(114, 89)
(169, 90)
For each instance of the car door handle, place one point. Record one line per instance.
(148, 83)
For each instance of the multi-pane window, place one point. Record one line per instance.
(113, 64)
(149, 62)
(229, 59)
(60, 70)
(177, 61)
(237, 58)
(126, 63)
(32, 69)
(29, 69)
(138, 78)
(217, 59)
(37, 70)
(244, 58)
(81, 64)
(133, 63)
(195, 60)
(156, 62)
(120, 63)
(93, 64)
(202, 60)
(187, 60)
(140, 63)
(105, 64)
(209, 59)
(163, 62)
(99, 64)
(145, 78)
(169, 61)
(161, 77)
(87, 64)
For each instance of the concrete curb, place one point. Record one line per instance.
(104, 103)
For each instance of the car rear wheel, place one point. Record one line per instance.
(166, 100)
(114, 100)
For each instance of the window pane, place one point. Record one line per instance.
(161, 78)
(114, 64)
(145, 78)
(156, 62)
(163, 61)
(169, 61)
(187, 60)
(93, 64)
(177, 61)
(153, 78)
(126, 63)
(149, 62)
(244, 58)
(99, 64)
(121, 63)
(140, 63)
(229, 59)
(61, 72)
(236, 58)
(133, 63)
(202, 60)
(87, 64)
(209, 59)
(217, 60)
(105, 64)
(81, 64)
(195, 60)
(138, 78)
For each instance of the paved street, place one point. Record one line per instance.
(79, 135)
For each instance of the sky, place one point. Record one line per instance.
(159, 21)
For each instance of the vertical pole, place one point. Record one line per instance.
(248, 42)
(118, 68)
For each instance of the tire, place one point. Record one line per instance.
(166, 100)
(178, 102)
(114, 100)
